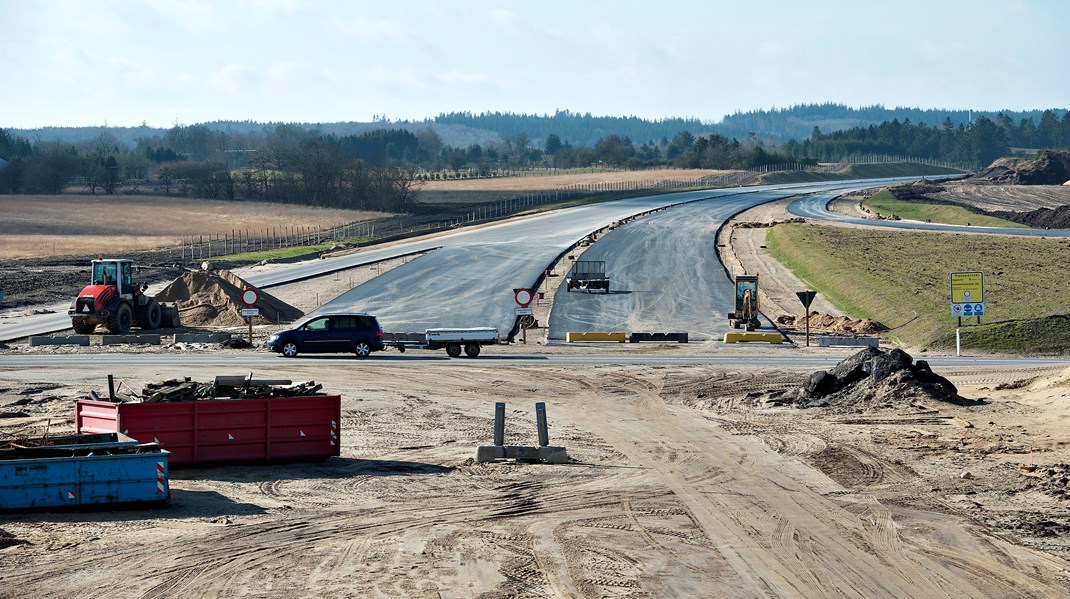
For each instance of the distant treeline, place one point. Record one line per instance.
(378, 167)
(797, 122)
(976, 144)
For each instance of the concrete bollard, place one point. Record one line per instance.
(544, 452)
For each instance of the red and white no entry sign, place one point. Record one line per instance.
(523, 297)
(249, 297)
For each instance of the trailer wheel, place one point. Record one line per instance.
(453, 350)
(471, 350)
(120, 322)
(363, 349)
(289, 349)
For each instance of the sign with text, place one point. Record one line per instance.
(967, 294)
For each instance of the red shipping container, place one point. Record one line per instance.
(216, 431)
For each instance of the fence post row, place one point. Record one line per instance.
(300, 235)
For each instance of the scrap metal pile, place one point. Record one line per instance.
(223, 387)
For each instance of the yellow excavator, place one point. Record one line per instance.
(746, 309)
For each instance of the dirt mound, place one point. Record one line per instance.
(918, 190)
(1049, 167)
(872, 379)
(767, 224)
(213, 299)
(1041, 218)
(837, 324)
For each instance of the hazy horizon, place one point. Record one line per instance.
(166, 62)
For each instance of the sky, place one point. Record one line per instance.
(182, 62)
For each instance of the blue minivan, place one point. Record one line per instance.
(359, 334)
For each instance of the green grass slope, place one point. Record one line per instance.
(884, 202)
(902, 279)
(859, 171)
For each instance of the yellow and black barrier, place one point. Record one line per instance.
(573, 337)
(733, 337)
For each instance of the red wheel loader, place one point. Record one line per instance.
(113, 300)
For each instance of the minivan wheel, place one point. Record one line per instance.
(363, 349)
(289, 349)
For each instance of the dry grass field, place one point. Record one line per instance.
(41, 226)
(37, 226)
(500, 188)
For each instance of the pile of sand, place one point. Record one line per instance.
(213, 299)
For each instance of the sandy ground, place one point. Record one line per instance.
(681, 482)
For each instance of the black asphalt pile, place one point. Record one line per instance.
(870, 380)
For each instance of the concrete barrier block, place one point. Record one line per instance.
(833, 341)
(142, 339)
(82, 340)
(658, 337)
(733, 337)
(552, 454)
(489, 453)
(572, 337)
(201, 337)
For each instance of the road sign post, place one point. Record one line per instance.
(250, 297)
(523, 297)
(807, 298)
(967, 299)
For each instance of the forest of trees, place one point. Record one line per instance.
(379, 167)
(796, 122)
(976, 144)
(369, 172)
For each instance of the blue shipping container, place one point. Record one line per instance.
(95, 475)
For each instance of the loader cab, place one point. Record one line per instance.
(114, 272)
(747, 293)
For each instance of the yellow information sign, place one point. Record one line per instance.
(967, 287)
(967, 294)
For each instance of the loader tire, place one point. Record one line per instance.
(120, 322)
(83, 328)
(153, 316)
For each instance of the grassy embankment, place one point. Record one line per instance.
(859, 171)
(902, 279)
(885, 203)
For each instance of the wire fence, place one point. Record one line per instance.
(239, 241)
